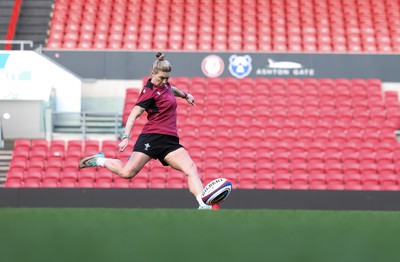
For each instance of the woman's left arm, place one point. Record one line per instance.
(188, 97)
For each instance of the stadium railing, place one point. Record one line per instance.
(21, 43)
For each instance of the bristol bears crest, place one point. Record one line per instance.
(240, 66)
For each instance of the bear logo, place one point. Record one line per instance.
(240, 66)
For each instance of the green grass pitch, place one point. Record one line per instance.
(96, 234)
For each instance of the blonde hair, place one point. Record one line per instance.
(161, 64)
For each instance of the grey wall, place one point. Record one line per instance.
(135, 65)
(181, 198)
(27, 118)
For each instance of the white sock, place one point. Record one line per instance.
(198, 198)
(100, 161)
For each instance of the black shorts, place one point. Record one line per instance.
(157, 146)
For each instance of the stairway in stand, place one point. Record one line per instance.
(6, 8)
(5, 158)
(33, 22)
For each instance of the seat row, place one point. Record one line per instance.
(288, 137)
(243, 161)
(227, 25)
(59, 149)
(247, 99)
(300, 181)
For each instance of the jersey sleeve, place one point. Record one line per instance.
(146, 99)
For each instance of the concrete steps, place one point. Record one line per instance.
(5, 158)
(34, 20)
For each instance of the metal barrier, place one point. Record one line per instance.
(86, 114)
(21, 43)
(82, 122)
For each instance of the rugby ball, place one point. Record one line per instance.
(216, 191)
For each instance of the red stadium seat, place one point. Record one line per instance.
(22, 144)
(353, 187)
(39, 143)
(157, 180)
(300, 181)
(66, 183)
(264, 166)
(71, 161)
(49, 183)
(69, 175)
(389, 187)
(32, 182)
(264, 181)
(245, 168)
(232, 177)
(57, 148)
(176, 179)
(74, 147)
(208, 177)
(54, 161)
(88, 174)
(103, 184)
(246, 181)
(335, 186)
(53, 174)
(317, 180)
(37, 162)
(298, 168)
(109, 148)
(370, 180)
(34, 173)
(228, 166)
(121, 182)
(386, 170)
(13, 183)
(85, 184)
(20, 164)
(368, 167)
(282, 184)
(104, 174)
(91, 147)
(300, 186)
(15, 174)
(21, 152)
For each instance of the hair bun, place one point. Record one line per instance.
(160, 56)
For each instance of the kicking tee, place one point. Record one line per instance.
(160, 105)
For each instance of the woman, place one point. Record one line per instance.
(159, 138)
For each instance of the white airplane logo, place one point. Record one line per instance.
(283, 64)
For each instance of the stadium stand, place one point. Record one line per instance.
(252, 25)
(293, 134)
(326, 145)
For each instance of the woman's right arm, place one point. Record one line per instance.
(135, 113)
